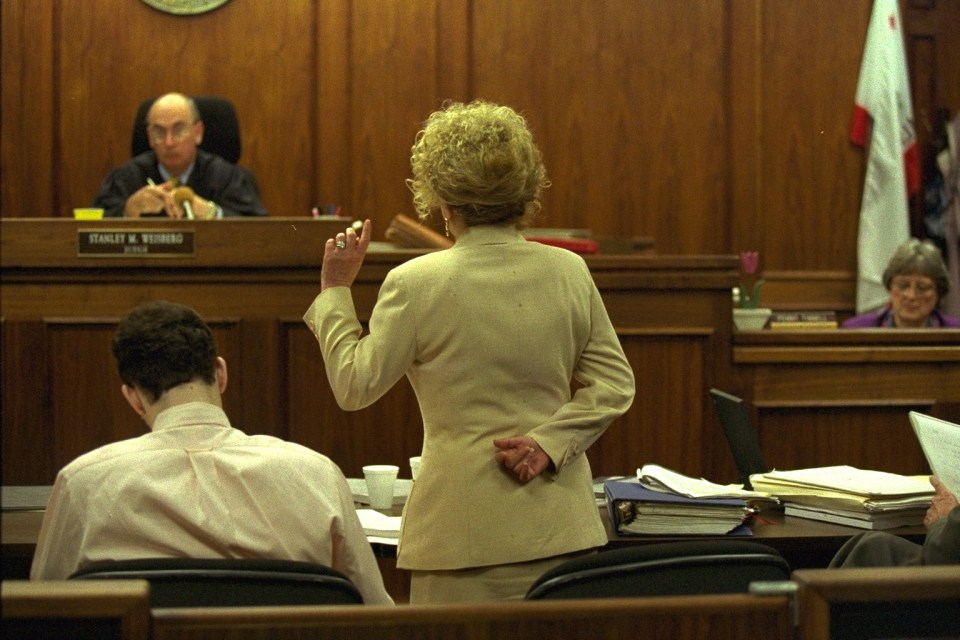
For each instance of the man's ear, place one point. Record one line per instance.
(221, 373)
(133, 399)
(199, 132)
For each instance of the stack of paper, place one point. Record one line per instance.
(379, 527)
(637, 509)
(658, 478)
(846, 495)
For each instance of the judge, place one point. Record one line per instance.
(175, 178)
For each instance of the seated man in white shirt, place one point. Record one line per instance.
(194, 486)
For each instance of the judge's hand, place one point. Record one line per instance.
(342, 257)
(521, 455)
(943, 503)
(151, 199)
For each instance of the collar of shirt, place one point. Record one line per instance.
(489, 234)
(182, 179)
(191, 413)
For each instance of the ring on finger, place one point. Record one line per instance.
(341, 244)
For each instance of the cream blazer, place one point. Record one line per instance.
(494, 335)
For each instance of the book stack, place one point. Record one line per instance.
(662, 502)
(849, 496)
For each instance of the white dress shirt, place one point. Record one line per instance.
(196, 487)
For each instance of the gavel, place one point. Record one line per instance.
(184, 197)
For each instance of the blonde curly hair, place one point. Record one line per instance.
(481, 161)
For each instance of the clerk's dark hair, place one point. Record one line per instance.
(161, 345)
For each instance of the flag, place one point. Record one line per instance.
(883, 122)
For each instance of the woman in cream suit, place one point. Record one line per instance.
(491, 333)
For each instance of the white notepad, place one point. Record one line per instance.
(940, 441)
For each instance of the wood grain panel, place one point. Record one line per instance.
(29, 151)
(26, 425)
(668, 431)
(877, 437)
(390, 95)
(387, 432)
(673, 618)
(808, 166)
(627, 103)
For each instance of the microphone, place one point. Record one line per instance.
(184, 196)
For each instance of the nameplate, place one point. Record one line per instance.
(141, 243)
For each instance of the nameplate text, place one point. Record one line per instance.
(139, 243)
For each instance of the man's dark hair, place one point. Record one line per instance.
(160, 345)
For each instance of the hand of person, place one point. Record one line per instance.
(152, 198)
(943, 503)
(342, 257)
(521, 455)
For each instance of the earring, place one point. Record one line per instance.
(446, 226)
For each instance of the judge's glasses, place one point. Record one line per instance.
(177, 132)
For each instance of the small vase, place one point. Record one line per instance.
(751, 319)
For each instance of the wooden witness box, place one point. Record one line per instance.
(252, 280)
(835, 397)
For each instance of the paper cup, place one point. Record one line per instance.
(414, 466)
(87, 213)
(380, 480)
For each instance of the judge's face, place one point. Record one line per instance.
(912, 299)
(173, 134)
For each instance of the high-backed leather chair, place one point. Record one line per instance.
(220, 125)
(663, 569)
(221, 131)
(229, 582)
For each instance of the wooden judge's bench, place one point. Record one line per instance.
(838, 397)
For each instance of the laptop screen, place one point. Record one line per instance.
(741, 436)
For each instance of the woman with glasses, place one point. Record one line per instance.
(917, 280)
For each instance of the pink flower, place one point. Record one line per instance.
(750, 283)
(749, 261)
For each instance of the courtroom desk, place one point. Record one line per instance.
(252, 280)
(825, 397)
(804, 544)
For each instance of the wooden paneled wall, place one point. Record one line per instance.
(709, 126)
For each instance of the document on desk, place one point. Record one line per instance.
(940, 441)
(864, 483)
(658, 478)
(379, 527)
(25, 498)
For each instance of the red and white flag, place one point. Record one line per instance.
(883, 122)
